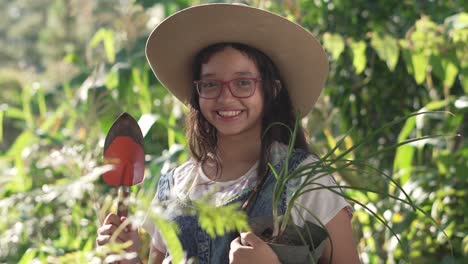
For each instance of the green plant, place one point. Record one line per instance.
(332, 163)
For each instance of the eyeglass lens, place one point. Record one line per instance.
(242, 87)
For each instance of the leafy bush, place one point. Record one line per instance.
(65, 77)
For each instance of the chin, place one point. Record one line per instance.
(238, 131)
(229, 132)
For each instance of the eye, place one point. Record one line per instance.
(244, 83)
(209, 84)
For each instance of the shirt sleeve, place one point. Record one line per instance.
(319, 205)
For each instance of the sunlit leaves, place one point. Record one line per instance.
(445, 45)
(217, 221)
(465, 245)
(334, 44)
(404, 154)
(146, 121)
(169, 231)
(387, 49)
(141, 84)
(403, 162)
(28, 256)
(435, 54)
(358, 49)
(464, 79)
(445, 68)
(426, 36)
(105, 36)
(457, 27)
(2, 113)
(419, 61)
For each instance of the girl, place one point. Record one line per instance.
(239, 69)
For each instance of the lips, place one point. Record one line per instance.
(230, 113)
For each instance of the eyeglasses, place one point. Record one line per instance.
(239, 88)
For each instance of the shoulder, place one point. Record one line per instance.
(180, 170)
(184, 169)
(314, 172)
(322, 197)
(279, 151)
(174, 177)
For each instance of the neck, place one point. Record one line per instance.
(233, 149)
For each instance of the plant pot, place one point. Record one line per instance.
(297, 245)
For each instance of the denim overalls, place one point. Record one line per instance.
(197, 243)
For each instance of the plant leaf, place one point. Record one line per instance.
(216, 221)
(387, 49)
(334, 44)
(28, 256)
(419, 62)
(169, 231)
(445, 68)
(106, 36)
(450, 71)
(402, 162)
(464, 79)
(358, 49)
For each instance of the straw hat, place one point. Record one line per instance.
(173, 44)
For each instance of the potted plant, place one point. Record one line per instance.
(304, 244)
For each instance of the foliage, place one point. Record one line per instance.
(69, 68)
(337, 163)
(218, 221)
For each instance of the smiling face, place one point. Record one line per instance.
(232, 116)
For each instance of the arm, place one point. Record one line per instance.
(344, 247)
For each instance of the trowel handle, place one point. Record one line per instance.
(122, 206)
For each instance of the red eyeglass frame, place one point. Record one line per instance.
(228, 84)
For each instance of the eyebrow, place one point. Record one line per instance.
(240, 73)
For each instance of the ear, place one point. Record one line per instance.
(277, 88)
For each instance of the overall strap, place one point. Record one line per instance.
(261, 206)
(165, 184)
(266, 188)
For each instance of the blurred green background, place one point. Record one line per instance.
(69, 68)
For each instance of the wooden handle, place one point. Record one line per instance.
(122, 206)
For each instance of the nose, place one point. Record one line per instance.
(225, 94)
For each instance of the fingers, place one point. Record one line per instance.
(107, 233)
(102, 240)
(107, 229)
(237, 251)
(236, 243)
(112, 219)
(129, 226)
(247, 240)
(251, 239)
(112, 224)
(257, 251)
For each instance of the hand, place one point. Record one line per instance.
(257, 251)
(126, 232)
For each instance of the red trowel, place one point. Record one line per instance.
(123, 149)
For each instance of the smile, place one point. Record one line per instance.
(228, 113)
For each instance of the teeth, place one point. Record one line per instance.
(228, 113)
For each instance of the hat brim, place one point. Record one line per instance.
(173, 44)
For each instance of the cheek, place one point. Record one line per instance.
(259, 101)
(204, 107)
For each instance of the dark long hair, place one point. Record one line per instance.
(277, 107)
